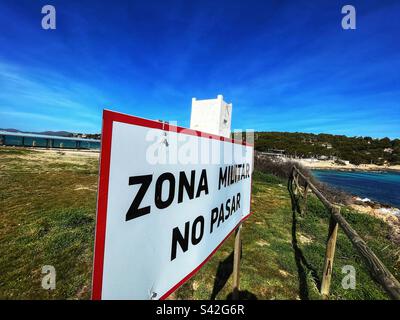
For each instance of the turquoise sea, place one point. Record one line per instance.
(381, 187)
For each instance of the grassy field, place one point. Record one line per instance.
(47, 210)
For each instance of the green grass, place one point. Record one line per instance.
(13, 151)
(283, 257)
(47, 218)
(47, 210)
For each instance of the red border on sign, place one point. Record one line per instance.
(102, 196)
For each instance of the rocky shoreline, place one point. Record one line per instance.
(390, 215)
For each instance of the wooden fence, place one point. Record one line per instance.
(378, 271)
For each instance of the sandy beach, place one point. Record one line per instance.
(331, 165)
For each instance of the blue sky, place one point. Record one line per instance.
(285, 65)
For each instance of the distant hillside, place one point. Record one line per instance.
(355, 149)
(10, 130)
(51, 133)
(58, 133)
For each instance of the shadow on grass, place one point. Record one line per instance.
(224, 271)
(243, 295)
(301, 262)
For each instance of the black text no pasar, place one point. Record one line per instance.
(195, 232)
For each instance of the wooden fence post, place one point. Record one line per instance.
(329, 255)
(236, 264)
(378, 270)
(305, 198)
(295, 180)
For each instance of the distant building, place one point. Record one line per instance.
(342, 162)
(388, 150)
(277, 151)
(212, 116)
(327, 145)
(19, 139)
(272, 153)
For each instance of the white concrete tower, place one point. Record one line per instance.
(212, 116)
